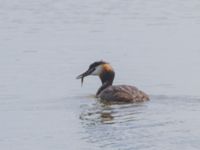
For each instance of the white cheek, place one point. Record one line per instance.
(97, 71)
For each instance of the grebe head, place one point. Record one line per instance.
(102, 69)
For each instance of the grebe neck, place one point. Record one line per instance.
(106, 79)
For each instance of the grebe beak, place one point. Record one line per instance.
(87, 73)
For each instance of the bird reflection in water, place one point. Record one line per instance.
(107, 124)
(110, 113)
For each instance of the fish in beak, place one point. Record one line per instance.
(87, 73)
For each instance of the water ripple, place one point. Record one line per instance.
(139, 126)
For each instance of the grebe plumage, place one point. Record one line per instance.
(109, 92)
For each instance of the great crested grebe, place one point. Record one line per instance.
(109, 92)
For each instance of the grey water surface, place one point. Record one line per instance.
(45, 44)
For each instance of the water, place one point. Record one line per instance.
(153, 45)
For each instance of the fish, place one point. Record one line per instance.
(82, 79)
(81, 76)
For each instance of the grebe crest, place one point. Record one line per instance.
(109, 92)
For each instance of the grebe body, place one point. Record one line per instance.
(109, 92)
